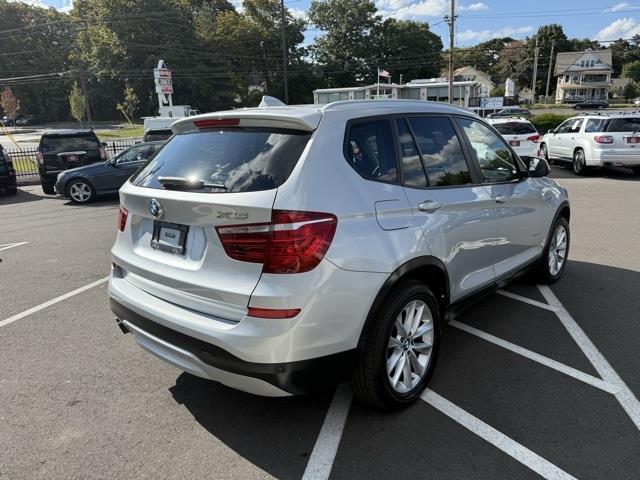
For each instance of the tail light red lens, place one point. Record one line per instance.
(103, 153)
(216, 122)
(40, 158)
(534, 138)
(603, 139)
(122, 218)
(272, 313)
(294, 242)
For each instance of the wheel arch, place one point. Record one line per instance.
(427, 269)
(69, 182)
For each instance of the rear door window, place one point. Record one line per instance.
(441, 152)
(413, 172)
(630, 124)
(514, 128)
(227, 159)
(594, 125)
(57, 144)
(370, 150)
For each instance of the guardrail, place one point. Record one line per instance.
(25, 160)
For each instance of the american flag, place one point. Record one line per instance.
(383, 73)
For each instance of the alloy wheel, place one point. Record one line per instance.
(410, 346)
(578, 162)
(80, 192)
(557, 250)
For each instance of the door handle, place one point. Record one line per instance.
(500, 198)
(429, 206)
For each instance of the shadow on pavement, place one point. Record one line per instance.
(21, 197)
(101, 201)
(560, 170)
(276, 434)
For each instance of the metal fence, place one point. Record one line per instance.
(25, 160)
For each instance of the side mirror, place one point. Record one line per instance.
(538, 167)
(551, 130)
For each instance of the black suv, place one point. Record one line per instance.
(7, 174)
(64, 149)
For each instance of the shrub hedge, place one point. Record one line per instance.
(547, 121)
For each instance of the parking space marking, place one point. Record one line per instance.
(498, 439)
(53, 301)
(624, 395)
(7, 246)
(326, 447)
(536, 357)
(530, 301)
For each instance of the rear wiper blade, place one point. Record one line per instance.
(188, 183)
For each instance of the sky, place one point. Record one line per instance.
(479, 21)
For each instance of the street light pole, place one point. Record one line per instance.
(285, 60)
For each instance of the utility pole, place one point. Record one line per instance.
(83, 86)
(451, 20)
(285, 60)
(535, 72)
(546, 92)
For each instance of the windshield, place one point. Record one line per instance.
(238, 159)
(67, 144)
(514, 128)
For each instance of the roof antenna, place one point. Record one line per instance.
(268, 101)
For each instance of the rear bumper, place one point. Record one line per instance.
(7, 181)
(212, 362)
(603, 158)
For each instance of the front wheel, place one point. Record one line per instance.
(635, 170)
(554, 258)
(81, 191)
(401, 348)
(12, 190)
(579, 163)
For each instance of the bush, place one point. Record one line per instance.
(547, 121)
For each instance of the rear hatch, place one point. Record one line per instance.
(64, 151)
(622, 138)
(220, 174)
(521, 136)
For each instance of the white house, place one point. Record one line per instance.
(583, 75)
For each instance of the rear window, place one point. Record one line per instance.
(631, 124)
(70, 143)
(239, 159)
(514, 128)
(157, 135)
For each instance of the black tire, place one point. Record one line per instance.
(545, 153)
(579, 165)
(371, 381)
(544, 273)
(47, 187)
(636, 170)
(90, 192)
(12, 190)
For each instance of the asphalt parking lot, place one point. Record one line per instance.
(530, 383)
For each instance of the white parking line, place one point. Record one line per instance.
(536, 357)
(530, 301)
(53, 301)
(326, 447)
(509, 446)
(7, 246)
(624, 395)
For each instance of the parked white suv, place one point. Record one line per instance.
(279, 250)
(595, 141)
(520, 133)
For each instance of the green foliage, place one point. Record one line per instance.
(9, 102)
(632, 70)
(623, 52)
(547, 121)
(129, 104)
(497, 91)
(631, 91)
(76, 102)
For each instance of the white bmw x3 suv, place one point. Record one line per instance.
(280, 250)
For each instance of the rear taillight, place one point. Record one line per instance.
(40, 158)
(534, 138)
(103, 153)
(294, 242)
(122, 218)
(603, 139)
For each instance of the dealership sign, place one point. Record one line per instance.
(162, 78)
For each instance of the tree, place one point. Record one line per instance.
(485, 56)
(9, 103)
(632, 70)
(129, 104)
(631, 91)
(76, 102)
(623, 52)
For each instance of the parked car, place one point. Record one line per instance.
(280, 250)
(520, 133)
(84, 184)
(591, 105)
(28, 120)
(155, 135)
(11, 122)
(7, 174)
(510, 112)
(588, 141)
(61, 150)
(636, 102)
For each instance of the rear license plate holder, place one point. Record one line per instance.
(169, 237)
(514, 143)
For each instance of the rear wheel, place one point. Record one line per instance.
(579, 163)
(12, 190)
(545, 153)
(554, 259)
(401, 348)
(47, 187)
(81, 191)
